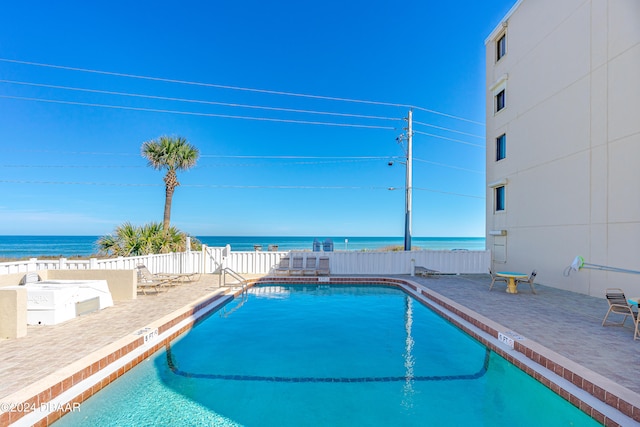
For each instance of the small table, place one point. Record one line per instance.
(512, 276)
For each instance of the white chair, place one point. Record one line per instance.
(296, 266)
(310, 266)
(323, 266)
(283, 266)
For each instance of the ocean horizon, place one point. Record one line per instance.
(25, 246)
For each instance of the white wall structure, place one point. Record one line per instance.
(570, 72)
(212, 259)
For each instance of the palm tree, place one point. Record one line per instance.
(130, 240)
(124, 241)
(172, 154)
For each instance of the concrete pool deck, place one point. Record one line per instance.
(567, 323)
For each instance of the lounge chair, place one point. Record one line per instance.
(530, 280)
(426, 272)
(283, 266)
(174, 277)
(618, 304)
(296, 266)
(323, 266)
(146, 280)
(495, 279)
(636, 334)
(310, 266)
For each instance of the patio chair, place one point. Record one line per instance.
(618, 304)
(283, 266)
(296, 266)
(310, 266)
(636, 334)
(174, 277)
(146, 281)
(530, 280)
(426, 272)
(323, 266)
(495, 279)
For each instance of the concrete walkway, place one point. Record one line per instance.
(565, 322)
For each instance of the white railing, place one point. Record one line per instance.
(212, 259)
(446, 262)
(253, 262)
(183, 262)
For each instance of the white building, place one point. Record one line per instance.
(563, 142)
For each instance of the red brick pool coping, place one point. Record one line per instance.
(45, 401)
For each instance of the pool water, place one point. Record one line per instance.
(296, 355)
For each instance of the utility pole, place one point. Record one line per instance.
(407, 210)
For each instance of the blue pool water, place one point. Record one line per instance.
(317, 356)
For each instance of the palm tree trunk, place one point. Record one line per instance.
(171, 182)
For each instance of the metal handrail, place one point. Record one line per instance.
(243, 281)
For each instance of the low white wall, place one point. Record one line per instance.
(122, 283)
(209, 260)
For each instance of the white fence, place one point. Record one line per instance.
(183, 262)
(446, 262)
(210, 259)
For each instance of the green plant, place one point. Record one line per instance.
(130, 240)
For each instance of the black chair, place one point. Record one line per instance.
(530, 280)
(618, 304)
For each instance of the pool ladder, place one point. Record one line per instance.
(225, 312)
(243, 281)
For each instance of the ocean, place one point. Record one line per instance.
(85, 246)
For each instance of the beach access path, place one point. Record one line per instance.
(565, 322)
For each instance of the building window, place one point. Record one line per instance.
(501, 47)
(499, 196)
(500, 100)
(501, 147)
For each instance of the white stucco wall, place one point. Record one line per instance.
(572, 121)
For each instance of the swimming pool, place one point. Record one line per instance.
(326, 355)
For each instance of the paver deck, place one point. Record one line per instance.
(565, 322)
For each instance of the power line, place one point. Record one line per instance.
(107, 184)
(448, 139)
(192, 113)
(276, 187)
(448, 115)
(222, 156)
(244, 187)
(198, 166)
(319, 160)
(239, 88)
(448, 166)
(230, 116)
(294, 157)
(196, 101)
(235, 105)
(444, 128)
(449, 193)
(71, 166)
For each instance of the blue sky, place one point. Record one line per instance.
(71, 139)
